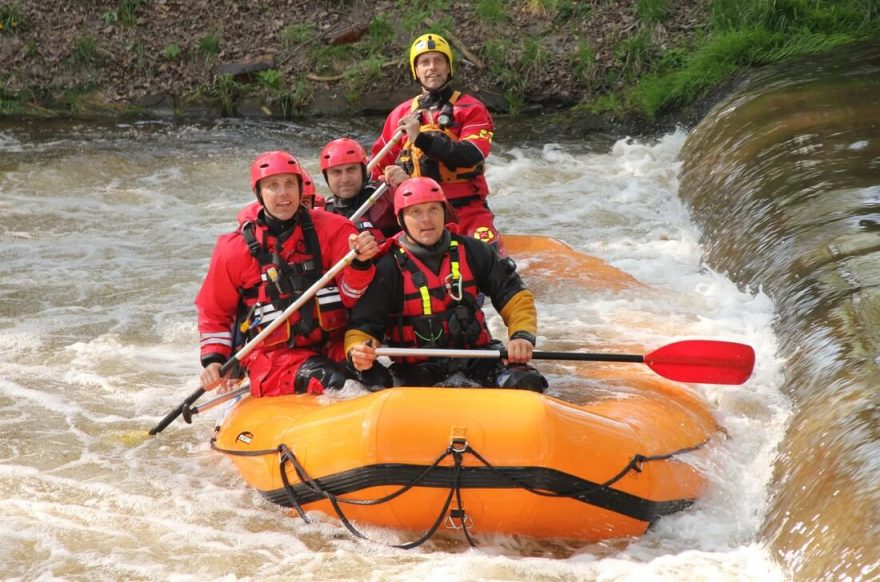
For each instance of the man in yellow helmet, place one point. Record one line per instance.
(448, 136)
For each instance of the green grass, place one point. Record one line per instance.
(125, 13)
(295, 34)
(10, 19)
(209, 46)
(749, 33)
(715, 62)
(793, 16)
(271, 79)
(583, 62)
(329, 59)
(635, 52)
(128, 11)
(10, 103)
(424, 5)
(534, 57)
(566, 9)
(645, 76)
(171, 52)
(512, 69)
(86, 51)
(376, 38)
(491, 10)
(301, 94)
(226, 89)
(652, 11)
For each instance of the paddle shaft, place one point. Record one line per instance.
(220, 400)
(385, 149)
(498, 354)
(369, 202)
(248, 347)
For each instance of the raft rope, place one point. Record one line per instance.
(456, 449)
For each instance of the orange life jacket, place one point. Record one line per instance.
(416, 163)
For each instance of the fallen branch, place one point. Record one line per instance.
(341, 76)
(325, 78)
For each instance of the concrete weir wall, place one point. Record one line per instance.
(784, 177)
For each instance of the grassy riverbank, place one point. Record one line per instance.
(640, 57)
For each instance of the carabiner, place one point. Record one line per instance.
(457, 283)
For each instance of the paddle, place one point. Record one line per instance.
(188, 413)
(359, 213)
(248, 347)
(701, 361)
(368, 202)
(385, 149)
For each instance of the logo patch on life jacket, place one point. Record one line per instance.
(245, 437)
(485, 234)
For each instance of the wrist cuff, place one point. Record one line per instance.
(209, 359)
(529, 337)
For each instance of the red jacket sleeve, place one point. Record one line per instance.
(475, 123)
(217, 300)
(333, 232)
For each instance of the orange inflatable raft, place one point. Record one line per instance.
(481, 460)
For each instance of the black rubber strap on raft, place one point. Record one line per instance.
(455, 489)
(463, 514)
(284, 454)
(457, 451)
(634, 465)
(444, 510)
(236, 453)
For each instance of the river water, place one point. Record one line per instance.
(106, 232)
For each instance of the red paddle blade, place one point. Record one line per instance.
(703, 361)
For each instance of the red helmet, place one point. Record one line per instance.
(342, 151)
(308, 185)
(274, 163)
(417, 191)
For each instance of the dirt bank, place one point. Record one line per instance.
(302, 57)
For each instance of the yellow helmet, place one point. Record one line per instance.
(429, 43)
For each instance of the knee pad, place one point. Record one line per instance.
(524, 378)
(376, 378)
(318, 374)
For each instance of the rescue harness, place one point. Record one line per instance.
(437, 312)
(282, 282)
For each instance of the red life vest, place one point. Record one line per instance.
(282, 281)
(416, 163)
(439, 310)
